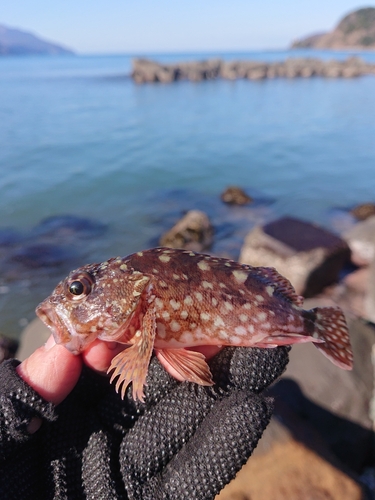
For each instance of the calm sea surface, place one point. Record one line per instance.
(78, 137)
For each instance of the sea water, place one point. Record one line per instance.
(79, 137)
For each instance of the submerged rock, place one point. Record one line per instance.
(42, 255)
(234, 195)
(66, 226)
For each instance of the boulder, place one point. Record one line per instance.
(193, 232)
(234, 195)
(309, 256)
(361, 240)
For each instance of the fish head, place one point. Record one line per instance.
(94, 301)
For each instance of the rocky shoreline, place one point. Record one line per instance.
(148, 71)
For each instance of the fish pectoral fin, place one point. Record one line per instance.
(190, 365)
(131, 365)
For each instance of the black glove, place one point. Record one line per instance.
(191, 440)
(185, 442)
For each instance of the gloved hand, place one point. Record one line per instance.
(189, 440)
(186, 442)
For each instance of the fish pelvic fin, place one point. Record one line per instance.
(190, 365)
(330, 326)
(131, 365)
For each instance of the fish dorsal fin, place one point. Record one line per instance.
(280, 284)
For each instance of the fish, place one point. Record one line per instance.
(169, 301)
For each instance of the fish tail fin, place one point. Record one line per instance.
(331, 328)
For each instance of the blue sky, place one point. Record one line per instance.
(114, 26)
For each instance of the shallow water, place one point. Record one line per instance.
(78, 137)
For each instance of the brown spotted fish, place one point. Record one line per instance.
(169, 300)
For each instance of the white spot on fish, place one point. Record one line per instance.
(186, 337)
(214, 301)
(159, 303)
(205, 316)
(199, 296)
(240, 276)
(188, 300)
(240, 330)
(251, 329)
(228, 306)
(223, 334)
(164, 258)
(184, 314)
(140, 254)
(259, 298)
(123, 267)
(270, 290)
(207, 284)
(161, 330)
(175, 304)
(175, 326)
(176, 276)
(244, 318)
(262, 316)
(247, 306)
(166, 315)
(203, 265)
(163, 284)
(218, 321)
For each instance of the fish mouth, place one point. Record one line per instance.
(62, 330)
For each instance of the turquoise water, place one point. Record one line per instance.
(78, 137)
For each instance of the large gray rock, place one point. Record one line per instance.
(309, 256)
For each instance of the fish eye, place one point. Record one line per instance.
(76, 288)
(80, 285)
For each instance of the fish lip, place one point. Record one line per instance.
(62, 331)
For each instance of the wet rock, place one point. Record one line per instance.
(8, 348)
(9, 237)
(363, 211)
(361, 240)
(193, 232)
(234, 195)
(42, 255)
(309, 256)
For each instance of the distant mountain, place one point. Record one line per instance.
(354, 31)
(17, 42)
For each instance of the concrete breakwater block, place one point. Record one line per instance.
(309, 256)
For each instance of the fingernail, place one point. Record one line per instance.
(50, 343)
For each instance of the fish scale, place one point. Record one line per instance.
(171, 301)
